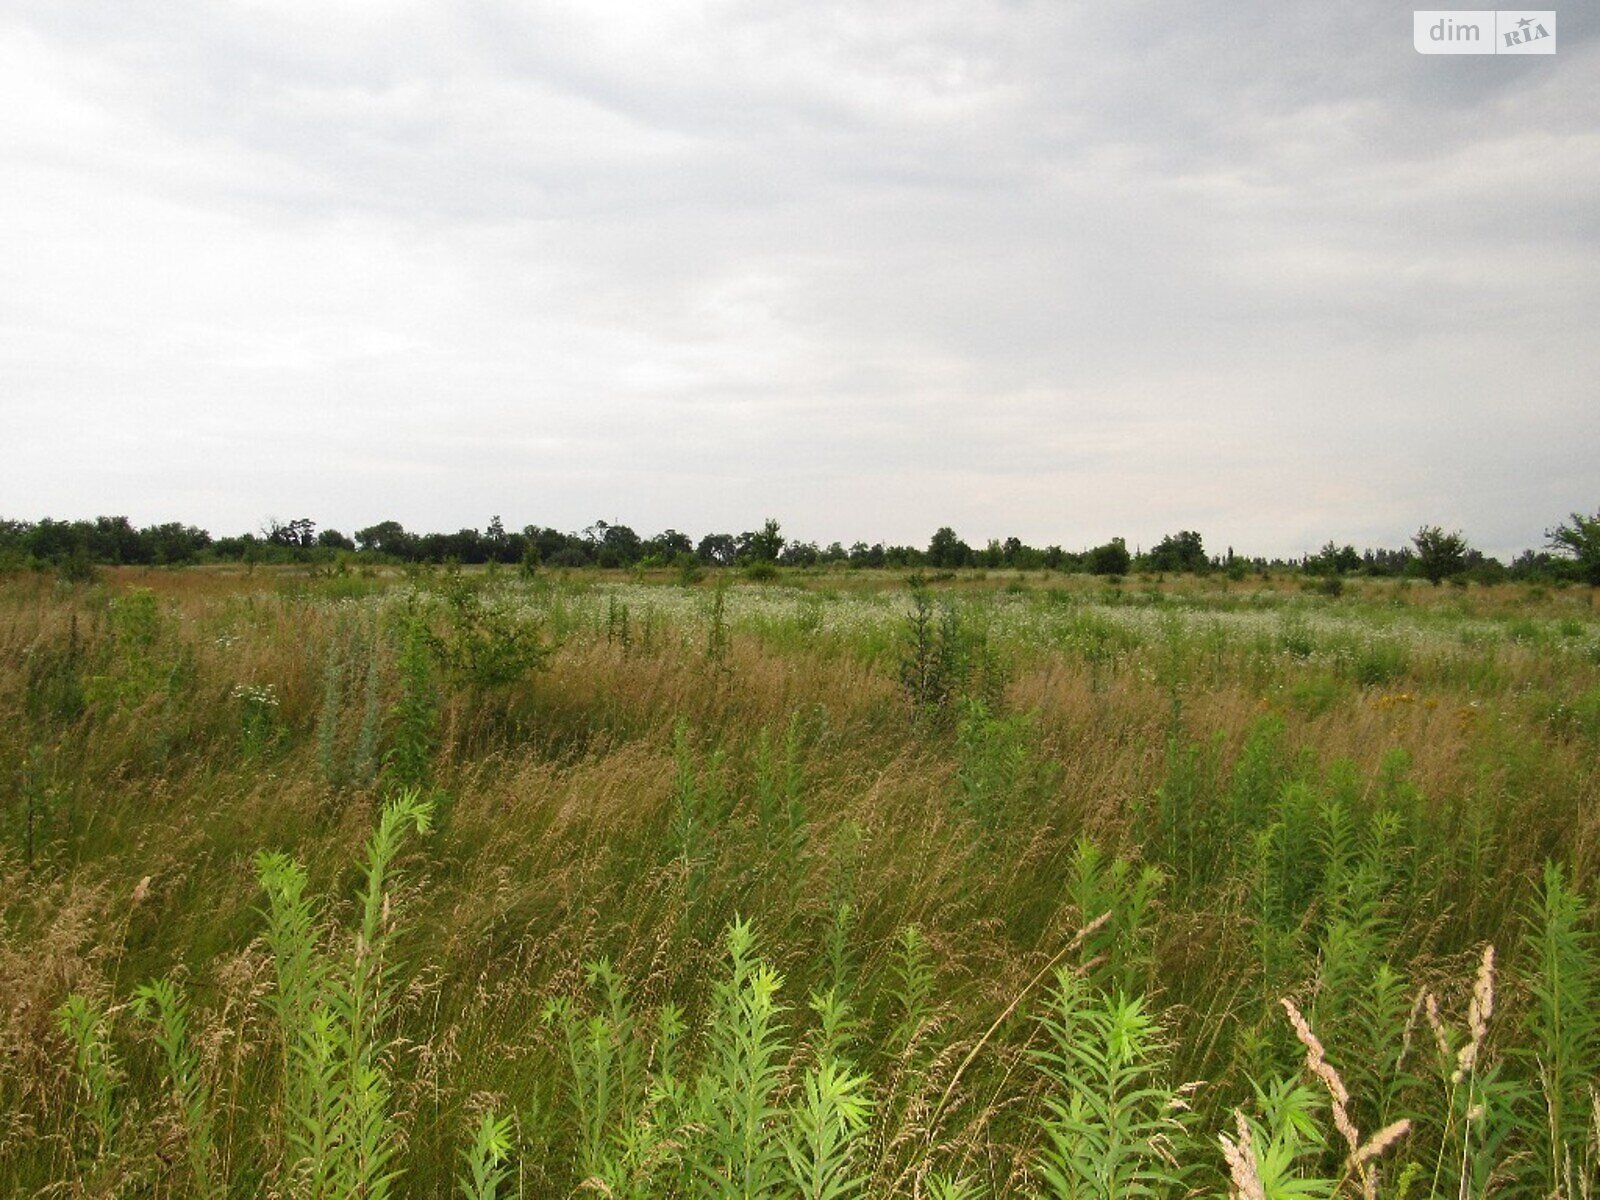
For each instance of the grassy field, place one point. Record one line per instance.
(348, 885)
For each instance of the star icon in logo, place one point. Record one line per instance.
(1524, 23)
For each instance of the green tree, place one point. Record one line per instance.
(761, 545)
(667, 545)
(387, 537)
(1439, 554)
(948, 551)
(1333, 560)
(1580, 539)
(1111, 559)
(717, 549)
(1183, 551)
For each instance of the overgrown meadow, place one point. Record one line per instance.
(827, 885)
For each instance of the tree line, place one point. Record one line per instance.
(1571, 551)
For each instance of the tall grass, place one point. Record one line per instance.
(779, 892)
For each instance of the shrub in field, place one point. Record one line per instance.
(745, 1118)
(701, 807)
(485, 1159)
(1276, 1152)
(998, 767)
(414, 717)
(783, 824)
(141, 662)
(1123, 895)
(1381, 661)
(943, 657)
(163, 1004)
(932, 666)
(485, 645)
(346, 758)
(38, 797)
(1110, 559)
(718, 638)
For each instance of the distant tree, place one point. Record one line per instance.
(619, 546)
(1481, 568)
(717, 550)
(548, 542)
(1579, 539)
(1536, 564)
(863, 555)
(1179, 552)
(761, 545)
(667, 545)
(388, 537)
(298, 533)
(800, 554)
(1110, 559)
(497, 543)
(233, 548)
(1381, 562)
(948, 552)
(1439, 554)
(334, 540)
(114, 540)
(174, 543)
(1330, 560)
(462, 546)
(573, 554)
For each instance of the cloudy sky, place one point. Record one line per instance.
(1027, 267)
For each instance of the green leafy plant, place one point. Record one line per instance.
(415, 715)
(736, 1095)
(100, 1077)
(485, 1159)
(1563, 1025)
(933, 668)
(484, 644)
(333, 1010)
(163, 1004)
(1112, 1126)
(998, 765)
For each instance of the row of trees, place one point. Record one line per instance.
(1572, 550)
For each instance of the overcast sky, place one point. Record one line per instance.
(1037, 268)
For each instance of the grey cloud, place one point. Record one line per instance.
(1022, 267)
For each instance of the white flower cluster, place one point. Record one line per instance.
(256, 695)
